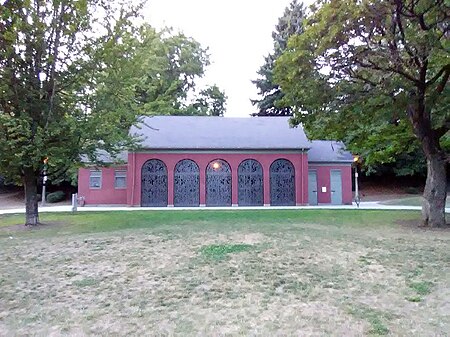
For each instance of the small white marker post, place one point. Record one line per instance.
(74, 202)
(44, 182)
(357, 199)
(356, 189)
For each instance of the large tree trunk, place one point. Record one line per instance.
(435, 193)
(31, 201)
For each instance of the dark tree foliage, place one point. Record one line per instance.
(210, 101)
(375, 74)
(271, 95)
(75, 75)
(49, 61)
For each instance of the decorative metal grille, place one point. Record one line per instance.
(218, 183)
(282, 183)
(186, 184)
(250, 185)
(154, 184)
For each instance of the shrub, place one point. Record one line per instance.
(56, 196)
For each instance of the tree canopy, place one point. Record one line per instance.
(210, 101)
(75, 75)
(270, 103)
(158, 73)
(374, 74)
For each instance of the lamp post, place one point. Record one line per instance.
(44, 181)
(357, 198)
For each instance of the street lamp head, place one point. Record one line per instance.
(45, 160)
(355, 158)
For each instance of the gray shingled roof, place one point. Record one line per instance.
(219, 133)
(329, 151)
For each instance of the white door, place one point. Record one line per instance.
(312, 187)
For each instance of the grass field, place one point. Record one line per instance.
(314, 272)
(409, 201)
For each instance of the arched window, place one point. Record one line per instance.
(218, 183)
(250, 184)
(186, 184)
(154, 183)
(282, 183)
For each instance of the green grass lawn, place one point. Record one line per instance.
(290, 272)
(409, 201)
(93, 222)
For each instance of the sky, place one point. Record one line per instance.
(238, 34)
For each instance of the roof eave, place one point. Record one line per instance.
(302, 149)
(330, 162)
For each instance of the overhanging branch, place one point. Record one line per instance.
(399, 23)
(444, 79)
(372, 65)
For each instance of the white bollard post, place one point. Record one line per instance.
(357, 199)
(44, 183)
(74, 202)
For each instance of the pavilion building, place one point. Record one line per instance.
(195, 161)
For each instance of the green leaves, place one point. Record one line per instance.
(40, 42)
(210, 101)
(150, 72)
(75, 75)
(272, 101)
(351, 74)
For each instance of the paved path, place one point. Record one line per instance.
(363, 206)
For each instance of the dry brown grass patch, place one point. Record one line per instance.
(317, 280)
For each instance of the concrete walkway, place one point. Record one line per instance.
(372, 205)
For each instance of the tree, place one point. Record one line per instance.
(169, 74)
(289, 24)
(170, 66)
(50, 55)
(74, 76)
(373, 73)
(210, 102)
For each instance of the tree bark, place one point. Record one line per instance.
(31, 202)
(435, 193)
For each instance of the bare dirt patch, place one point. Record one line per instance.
(24, 228)
(10, 200)
(389, 187)
(296, 280)
(415, 225)
(15, 199)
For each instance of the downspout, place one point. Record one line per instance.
(303, 176)
(134, 179)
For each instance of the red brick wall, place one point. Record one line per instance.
(107, 194)
(323, 180)
(135, 162)
(132, 194)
